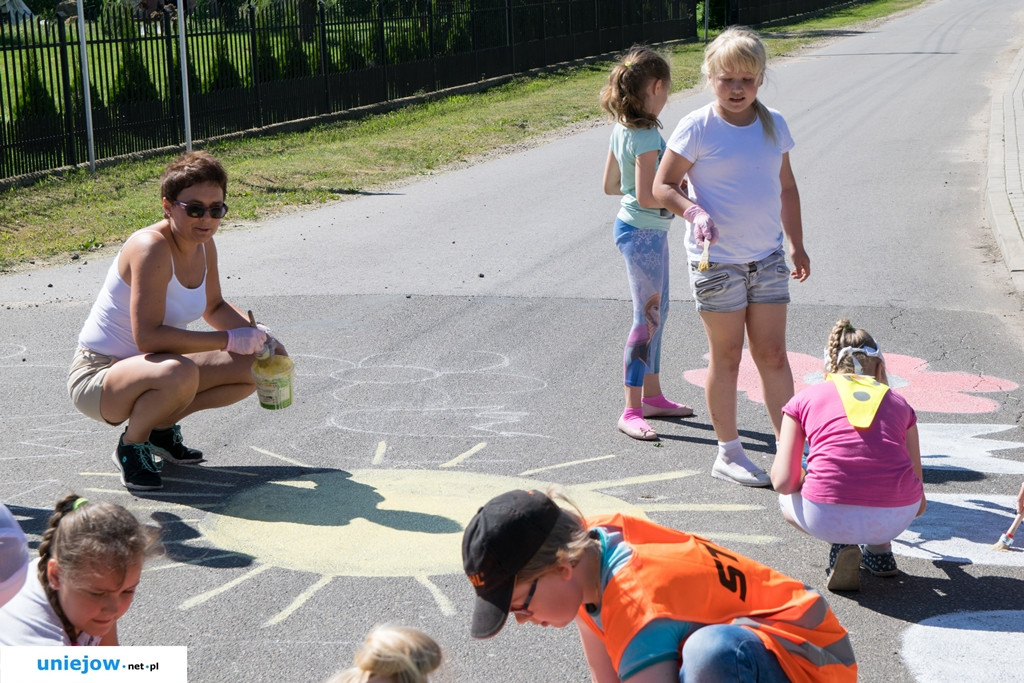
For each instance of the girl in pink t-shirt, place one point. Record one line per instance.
(862, 481)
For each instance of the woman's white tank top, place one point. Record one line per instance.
(108, 329)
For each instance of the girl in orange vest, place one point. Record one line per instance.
(652, 604)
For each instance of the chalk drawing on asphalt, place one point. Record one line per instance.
(374, 522)
(963, 528)
(925, 389)
(965, 646)
(958, 447)
(386, 397)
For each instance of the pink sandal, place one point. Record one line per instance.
(637, 428)
(659, 406)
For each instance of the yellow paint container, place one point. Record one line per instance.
(274, 377)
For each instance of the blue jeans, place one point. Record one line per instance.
(724, 653)
(647, 262)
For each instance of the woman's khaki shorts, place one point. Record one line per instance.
(85, 381)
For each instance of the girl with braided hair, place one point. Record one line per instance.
(636, 92)
(90, 561)
(863, 482)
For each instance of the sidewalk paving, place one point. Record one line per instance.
(1004, 195)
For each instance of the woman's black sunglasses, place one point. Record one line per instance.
(199, 210)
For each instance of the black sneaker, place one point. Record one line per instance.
(138, 471)
(168, 445)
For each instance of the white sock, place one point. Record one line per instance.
(732, 451)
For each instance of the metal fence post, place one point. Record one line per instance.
(430, 42)
(255, 61)
(321, 16)
(510, 33)
(65, 81)
(572, 33)
(382, 46)
(183, 58)
(472, 40)
(86, 96)
(168, 40)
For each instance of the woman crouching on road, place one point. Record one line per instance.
(136, 360)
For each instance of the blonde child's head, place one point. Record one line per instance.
(624, 96)
(88, 542)
(738, 49)
(393, 654)
(851, 350)
(517, 536)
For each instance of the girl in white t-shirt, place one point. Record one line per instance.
(90, 561)
(636, 92)
(740, 199)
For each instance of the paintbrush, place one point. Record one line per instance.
(705, 257)
(263, 353)
(1006, 540)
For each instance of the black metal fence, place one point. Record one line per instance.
(250, 67)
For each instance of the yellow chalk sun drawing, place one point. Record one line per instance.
(379, 522)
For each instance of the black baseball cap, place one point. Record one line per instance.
(500, 539)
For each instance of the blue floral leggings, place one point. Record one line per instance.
(646, 254)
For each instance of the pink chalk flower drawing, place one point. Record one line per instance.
(925, 389)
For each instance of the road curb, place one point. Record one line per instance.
(1004, 194)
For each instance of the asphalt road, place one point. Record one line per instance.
(461, 336)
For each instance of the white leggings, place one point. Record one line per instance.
(849, 524)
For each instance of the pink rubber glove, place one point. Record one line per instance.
(272, 344)
(703, 226)
(245, 341)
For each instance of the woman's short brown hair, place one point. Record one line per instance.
(191, 169)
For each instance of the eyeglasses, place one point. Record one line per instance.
(200, 210)
(524, 611)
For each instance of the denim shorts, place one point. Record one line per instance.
(729, 287)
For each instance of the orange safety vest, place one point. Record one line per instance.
(676, 575)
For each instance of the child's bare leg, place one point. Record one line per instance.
(656, 405)
(632, 421)
(766, 334)
(725, 341)
(652, 385)
(633, 397)
(725, 338)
